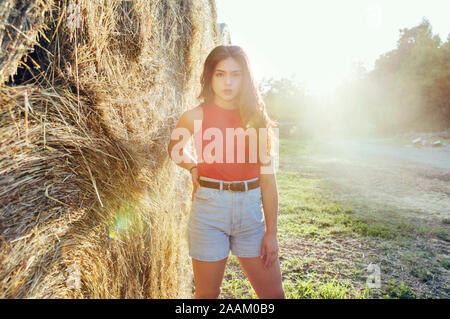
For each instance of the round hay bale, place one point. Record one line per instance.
(91, 204)
(21, 23)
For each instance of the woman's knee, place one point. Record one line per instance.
(208, 278)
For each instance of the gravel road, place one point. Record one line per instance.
(415, 180)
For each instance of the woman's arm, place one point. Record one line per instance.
(269, 194)
(179, 138)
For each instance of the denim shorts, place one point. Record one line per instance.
(221, 220)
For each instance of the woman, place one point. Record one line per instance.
(235, 202)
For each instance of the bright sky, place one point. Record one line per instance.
(319, 41)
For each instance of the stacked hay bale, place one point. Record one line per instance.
(91, 205)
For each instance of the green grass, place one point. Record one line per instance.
(306, 211)
(320, 289)
(398, 291)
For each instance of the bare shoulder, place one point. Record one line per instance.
(196, 113)
(188, 117)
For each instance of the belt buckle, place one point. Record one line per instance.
(238, 186)
(232, 186)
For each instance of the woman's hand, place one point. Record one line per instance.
(195, 183)
(269, 249)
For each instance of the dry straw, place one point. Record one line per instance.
(91, 206)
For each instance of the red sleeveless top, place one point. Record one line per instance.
(216, 118)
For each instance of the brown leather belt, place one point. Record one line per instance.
(232, 186)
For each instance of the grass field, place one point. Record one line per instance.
(327, 242)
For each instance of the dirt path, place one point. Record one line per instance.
(417, 181)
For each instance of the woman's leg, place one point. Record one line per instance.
(208, 277)
(266, 282)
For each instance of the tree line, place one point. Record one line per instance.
(407, 90)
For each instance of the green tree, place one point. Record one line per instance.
(413, 81)
(284, 98)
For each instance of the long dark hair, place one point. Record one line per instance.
(251, 105)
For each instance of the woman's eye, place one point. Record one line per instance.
(234, 74)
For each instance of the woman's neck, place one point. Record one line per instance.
(228, 105)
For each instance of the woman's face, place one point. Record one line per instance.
(227, 79)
